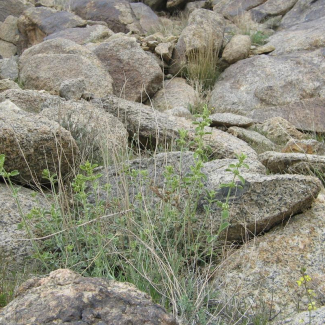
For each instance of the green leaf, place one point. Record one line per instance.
(225, 215)
(224, 226)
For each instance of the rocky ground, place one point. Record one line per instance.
(94, 80)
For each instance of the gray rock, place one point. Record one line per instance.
(316, 317)
(31, 101)
(83, 35)
(191, 6)
(278, 130)
(136, 75)
(229, 119)
(303, 11)
(14, 246)
(258, 141)
(147, 18)
(180, 112)
(153, 127)
(308, 146)
(271, 8)
(304, 36)
(67, 297)
(294, 163)
(116, 13)
(73, 89)
(9, 68)
(254, 83)
(99, 135)
(12, 8)
(9, 30)
(6, 84)
(176, 93)
(37, 23)
(165, 51)
(264, 271)
(204, 32)
(237, 49)
(7, 50)
(33, 143)
(47, 65)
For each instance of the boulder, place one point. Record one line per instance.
(9, 30)
(6, 84)
(258, 141)
(237, 49)
(99, 135)
(176, 93)
(82, 36)
(9, 68)
(37, 23)
(229, 119)
(304, 11)
(14, 246)
(12, 8)
(278, 130)
(67, 297)
(136, 75)
(304, 36)
(294, 163)
(151, 127)
(7, 50)
(261, 276)
(295, 113)
(267, 81)
(73, 89)
(32, 143)
(203, 33)
(191, 6)
(165, 51)
(147, 18)
(308, 146)
(116, 13)
(271, 8)
(47, 65)
(31, 101)
(233, 8)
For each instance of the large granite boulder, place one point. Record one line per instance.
(261, 82)
(136, 75)
(9, 30)
(37, 23)
(32, 143)
(304, 36)
(66, 297)
(99, 135)
(303, 11)
(176, 93)
(47, 65)
(9, 68)
(82, 36)
(237, 49)
(13, 8)
(203, 33)
(261, 276)
(116, 13)
(14, 243)
(151, 127)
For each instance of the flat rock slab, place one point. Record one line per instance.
(116, 13)
(304, 11)
(153, 127)
(304, 36)
(66, 297)
(83, 35)
(32, 143)
(265, 81)
(229, 119)
(265, 270)
(316, 317)
(47, 65)
(295, 113)
(295, 163)
(263, 202)
(13, 8)
(14, 243)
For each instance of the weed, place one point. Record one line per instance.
(258, 38)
